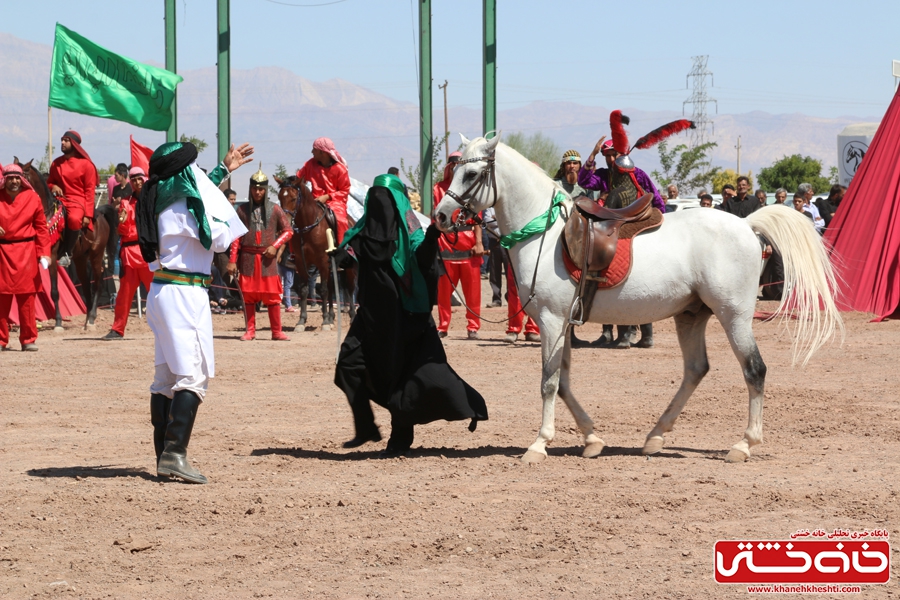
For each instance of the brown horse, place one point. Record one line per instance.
(309, 244)
(89, 249)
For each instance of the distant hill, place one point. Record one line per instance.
(281, 113)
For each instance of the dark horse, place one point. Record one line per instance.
(89, 249)
(309, 245)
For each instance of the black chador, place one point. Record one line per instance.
(392, 354)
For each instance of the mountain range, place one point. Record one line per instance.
(281, 113)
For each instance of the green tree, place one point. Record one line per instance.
(791, 171)
(106, 172)
(414, 173)
(44, 165)
(201, 145)
(688, 168)
(728, 176)
(537, 148)
(280, 173)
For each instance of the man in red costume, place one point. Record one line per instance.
(24, 240)
(135, 269)
(268, 230)
(462, 263)
(327, 172)
(73, 177)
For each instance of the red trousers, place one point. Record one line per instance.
(468, 275)
(128, 285)
(514, 309)
(27, 322)
(267, 298)
(74, 215)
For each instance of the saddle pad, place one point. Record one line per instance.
(611, 276)
(620, 267)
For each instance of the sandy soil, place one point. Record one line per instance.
(290, 514)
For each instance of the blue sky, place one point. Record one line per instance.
(818, 58)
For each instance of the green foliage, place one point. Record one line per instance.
(791, 171)
(728, 176)
(44, 165)
(834, 176)
(536, 148)
(414, 174)
(280, 172)
(106, 172)
(688, 168)
(201, 145)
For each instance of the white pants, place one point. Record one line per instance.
(167, 383)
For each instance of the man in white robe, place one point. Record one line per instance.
(185, 219)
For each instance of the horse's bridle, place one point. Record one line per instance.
(487, 179)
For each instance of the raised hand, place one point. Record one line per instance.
(237, 157)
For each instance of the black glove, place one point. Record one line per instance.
(432, 233)
(342, 257)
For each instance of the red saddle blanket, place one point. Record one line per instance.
(612, 275)
(620, 267)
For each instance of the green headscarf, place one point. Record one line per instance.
(413, 291)
(180, 185)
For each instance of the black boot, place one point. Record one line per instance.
(578, 342)
(646, 340)
(159, 416)
(69, 238)
(173, 461)
(605, 339)
(627, 336)
(364, 422)
(400, 441)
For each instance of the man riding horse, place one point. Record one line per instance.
(327, 173)
(73, 177)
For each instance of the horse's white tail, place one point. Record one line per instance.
(808, 278)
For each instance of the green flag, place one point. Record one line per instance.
(88, 79)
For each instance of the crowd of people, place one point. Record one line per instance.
(196, 253)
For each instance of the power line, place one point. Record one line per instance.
(699, 99)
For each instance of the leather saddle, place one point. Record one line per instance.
(592, 231)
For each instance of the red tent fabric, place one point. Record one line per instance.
(140, 156)
(865, 231)
(70, 302)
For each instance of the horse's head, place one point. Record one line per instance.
(289, 191)
(474, 184)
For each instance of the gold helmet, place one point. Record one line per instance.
(259, 179)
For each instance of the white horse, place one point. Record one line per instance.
(699, 263)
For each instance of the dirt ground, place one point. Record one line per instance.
(290, 514)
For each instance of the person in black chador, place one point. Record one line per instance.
(392, 354)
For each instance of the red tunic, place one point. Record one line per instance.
(465, 241)
(334, 181)
(77, 177)
(260, 281)
(131, 252)
(22, 218)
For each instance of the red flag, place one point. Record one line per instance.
(140, 156)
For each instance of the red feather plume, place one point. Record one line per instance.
(661, 133)
(616, 125)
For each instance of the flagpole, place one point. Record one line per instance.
(49, 136)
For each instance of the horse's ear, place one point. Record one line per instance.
(464, 139)
(16, 160)
(27, 165)
(491, 144)
(278, 180)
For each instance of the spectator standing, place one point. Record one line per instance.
(121, 187)
(742, 204)
(706, 201)
(671, 192)
(762, 196)
(781, 196)
(806, 190)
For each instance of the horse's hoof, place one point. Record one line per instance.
(653, 445)
(736, 456)
(326, 327)
(532, 457)
(593, 449)
(59, 328)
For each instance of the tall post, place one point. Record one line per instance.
(446, 125)
(49, 137)
(426, 147)
(224, 78)
(489, 87)
(738, 155)
(171, 54)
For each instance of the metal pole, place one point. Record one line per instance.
(446, 125)
(49, 137)
(224, 78)
(738, 155)
(489, 87)
(426, 149)
(171, 65)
